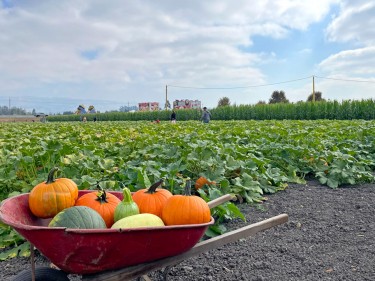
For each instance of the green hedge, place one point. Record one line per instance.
(334, 110)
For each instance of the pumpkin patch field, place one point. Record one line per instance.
(249, 159)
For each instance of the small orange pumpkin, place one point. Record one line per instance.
(48, 198)
(103, 202)
(199, 183)
(186, 209)
(152, 200)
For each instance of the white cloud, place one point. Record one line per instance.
(354, 23)
(352, 26)
(348, 75)
(351, 63)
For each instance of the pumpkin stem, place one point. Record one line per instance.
(152, 188)
(127, 195)
(187, 189)
(51, 175)
(98, 187)
(102, 196)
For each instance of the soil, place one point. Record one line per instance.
(329, 236)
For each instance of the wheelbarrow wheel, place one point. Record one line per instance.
(42, 274)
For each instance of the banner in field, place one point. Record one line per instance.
(148, 106)
(180, 104)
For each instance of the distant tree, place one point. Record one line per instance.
(278, 97)
(68, 112)
(223, 102)
(261, 102)
(127, 108)
(4, 110)
(318, 97)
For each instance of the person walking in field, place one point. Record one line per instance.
(173, 116)
(206, 115)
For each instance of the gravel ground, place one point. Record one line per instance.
(329, 236)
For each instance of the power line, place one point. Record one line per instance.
(240, 87)
(269, 84)
(347, 80)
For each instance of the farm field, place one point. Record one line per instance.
(248, 158)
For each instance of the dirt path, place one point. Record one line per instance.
(330, 236)
(19, 119)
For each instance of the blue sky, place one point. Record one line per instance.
(299, 51)
(56, 55)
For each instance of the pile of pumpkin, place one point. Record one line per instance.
(57, 198)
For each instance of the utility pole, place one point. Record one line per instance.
(9, 112)
(313, 92)
(166, 96)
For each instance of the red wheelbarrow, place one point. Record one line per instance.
(116, 254)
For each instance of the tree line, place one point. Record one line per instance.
(5, 110)
(276, 97)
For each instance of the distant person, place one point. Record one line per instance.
(173, 116)
(84, 119)
(95, 119)
(206, 115)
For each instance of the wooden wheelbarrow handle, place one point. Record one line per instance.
(129, 273)
(222, 199)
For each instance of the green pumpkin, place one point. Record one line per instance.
(127, 207)
(140, 220)
(78, 217)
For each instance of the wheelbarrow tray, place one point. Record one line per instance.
(87, 251)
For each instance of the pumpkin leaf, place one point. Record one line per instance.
(10, 253)
(109, 185)
(234, 211)
(14, 193)
(24, 250)
(106, 164)
(215, 230)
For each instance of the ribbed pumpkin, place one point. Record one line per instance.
(186, 209)
(78, 217)
(48, 198)
(152, 200)
(103, 202)
(127, 206)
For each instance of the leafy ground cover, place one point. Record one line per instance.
(247, 158)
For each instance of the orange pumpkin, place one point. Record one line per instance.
(152, 200)
(186, 209)
(199, 183)
(48, 198)
(102, 202)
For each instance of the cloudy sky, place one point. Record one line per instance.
(55, 55)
